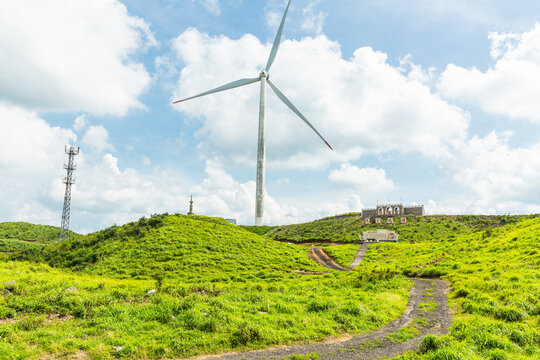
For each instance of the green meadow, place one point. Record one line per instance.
(495, 280)
(177, 286)
(174, 286)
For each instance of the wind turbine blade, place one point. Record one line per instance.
(228, 86)
(287, 102)
(277, 40)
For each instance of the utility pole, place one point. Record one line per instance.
(69, 180)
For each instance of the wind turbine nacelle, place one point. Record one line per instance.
(264, 74)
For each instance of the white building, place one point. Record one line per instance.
(379, 235)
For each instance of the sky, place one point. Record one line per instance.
(424, 102)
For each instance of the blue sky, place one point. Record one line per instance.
(428, 102)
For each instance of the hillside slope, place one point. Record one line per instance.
(177, 286)
(495, 276)
(15, 236)
(424, 228)
(193, 248)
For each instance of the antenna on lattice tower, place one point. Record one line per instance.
(69, 180)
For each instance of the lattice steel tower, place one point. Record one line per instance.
(69, 180)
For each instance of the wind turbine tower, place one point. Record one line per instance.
(264, 78)
(69, 180)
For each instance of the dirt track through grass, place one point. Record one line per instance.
(379, 343)
(404, 334)
(318, 255)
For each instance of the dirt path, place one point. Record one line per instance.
(359, 256)
(378, 343)
(318, 255)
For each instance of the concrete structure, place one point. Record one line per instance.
(393, 210)
(379, 235)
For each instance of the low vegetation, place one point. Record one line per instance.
(219, 287)
(418, 229)
(17, 236)
(29, 232)
(176, 286)
(495, 278)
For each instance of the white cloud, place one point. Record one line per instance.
(361, 105)
(273, 19)
(80, 123)
(96, 138)
(486, 175)
(367, 179)
(72, 55)
(31, 155)
(112, 162)
(415, 72)
(312, 22)
(220, 195)
(496, 177)
(212, 6)
(510, 87)
(28, 143)
(146, 161)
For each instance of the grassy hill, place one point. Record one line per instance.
(495, 277)
(193, 248)
(218, 288)
(424, 228)
(16, 236)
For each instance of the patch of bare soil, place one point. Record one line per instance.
(318, 255)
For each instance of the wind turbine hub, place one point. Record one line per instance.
(264, 74)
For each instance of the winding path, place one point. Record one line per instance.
(376, 344)
(379, 343)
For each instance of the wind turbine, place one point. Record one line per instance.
(264, 78)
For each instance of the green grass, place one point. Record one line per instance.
(219, 288)
(495, 277)
(31, 233)
(190, 248)
(8, 245)
(417, 229)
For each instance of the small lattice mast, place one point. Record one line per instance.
(191, 206)
(69, 180)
